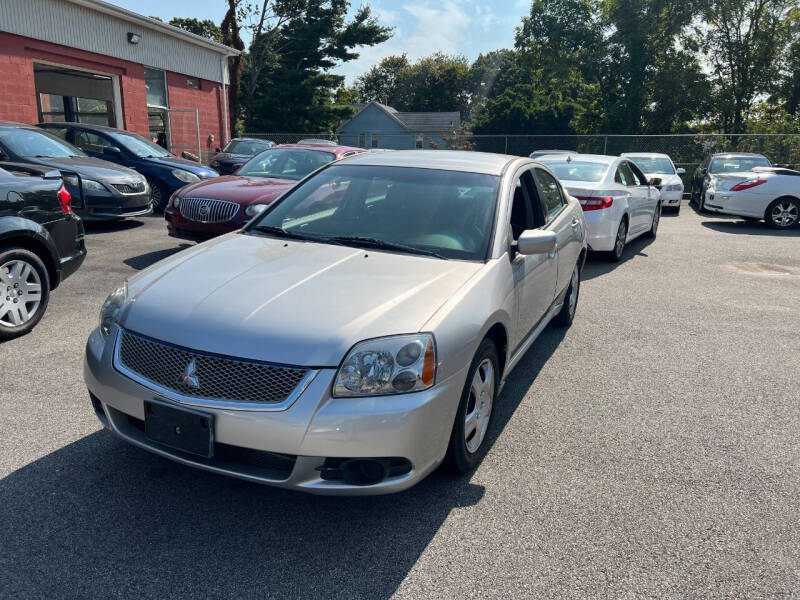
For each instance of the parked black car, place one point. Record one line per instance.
(41, 244)
(237, 152)
(723, 162)
(100, 190)
(164, 171)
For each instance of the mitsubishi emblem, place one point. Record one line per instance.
(189, 376)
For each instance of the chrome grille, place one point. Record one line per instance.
(204, 210)
(212, 377)
(129, 188)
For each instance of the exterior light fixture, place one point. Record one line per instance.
(134, 38)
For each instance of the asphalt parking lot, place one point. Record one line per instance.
(651, 450)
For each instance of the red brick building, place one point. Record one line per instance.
(90, 61)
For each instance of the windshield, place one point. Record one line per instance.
(37, 144)
(246, 147)
(576, 170)
(448, 213)
(286, 163)
(657, 165)
(138, 145)
(738, 164)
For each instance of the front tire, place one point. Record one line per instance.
(24, 292)
(567, 314)
(158, 196)
(783, 213)
(656, 220)
(474, 415)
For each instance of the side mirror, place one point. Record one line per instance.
(680, 171)
(655, 181)
(112, 151)
(217, 149)
(703, 171)
(536, 241)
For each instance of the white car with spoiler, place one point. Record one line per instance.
(769, 193)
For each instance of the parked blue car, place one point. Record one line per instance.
(164, 171)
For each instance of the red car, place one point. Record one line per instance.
(223, 204)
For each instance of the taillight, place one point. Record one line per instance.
(588, 203)
(746, 185)
(64, 200)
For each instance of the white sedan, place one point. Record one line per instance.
(769, 193)
(618, 201)
(660, 167)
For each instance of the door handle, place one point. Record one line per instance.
(576, 222)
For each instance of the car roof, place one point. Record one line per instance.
(596, 158)
(644, 155)
(14, 125)
(84, 126)
(442, 160)
(328, 149)
(249, 139)
(736, 154)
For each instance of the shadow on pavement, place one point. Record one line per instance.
(150, 258)
(750, 228)
(93, 228)
(597, 264)
(99, 518)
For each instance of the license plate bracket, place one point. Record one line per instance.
(181, 428)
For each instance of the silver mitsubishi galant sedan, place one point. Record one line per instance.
(353, 336)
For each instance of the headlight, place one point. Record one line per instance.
(675, 187)
(391, 365)
(93, 186)
(111, 308)
(184, 176)
(174, 200)
(255, 209)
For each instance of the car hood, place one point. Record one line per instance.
(186, 165)
(236, 188)
(666, 179)
(287, 302)
(91, 168)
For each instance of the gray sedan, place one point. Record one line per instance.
(352, 337)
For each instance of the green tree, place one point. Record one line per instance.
(205, 28)
(295, 90)
(385, 82)
(743, 40)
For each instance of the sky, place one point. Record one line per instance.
(422, 27)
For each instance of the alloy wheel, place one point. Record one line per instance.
(785, 214)
(20, 293)
(155, 196)
(619, 244)
(479, 407)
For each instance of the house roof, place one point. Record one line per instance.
(416, 121)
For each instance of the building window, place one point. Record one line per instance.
(155, 81)
(374, 141)
(193, 82)
(362, 140)
(418, 141)
(57, 109)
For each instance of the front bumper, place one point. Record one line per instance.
(672, 198)
(180, 227)
(415, 427)
(105, 207)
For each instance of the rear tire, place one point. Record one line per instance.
(567, 314)
(24, 291)
(619, 242)
(783, 213)
(474, 415)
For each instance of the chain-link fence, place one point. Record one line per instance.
(686, 150)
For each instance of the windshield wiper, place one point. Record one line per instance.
(296, 235)
(384, 245)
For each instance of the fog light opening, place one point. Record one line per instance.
(359, 471)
